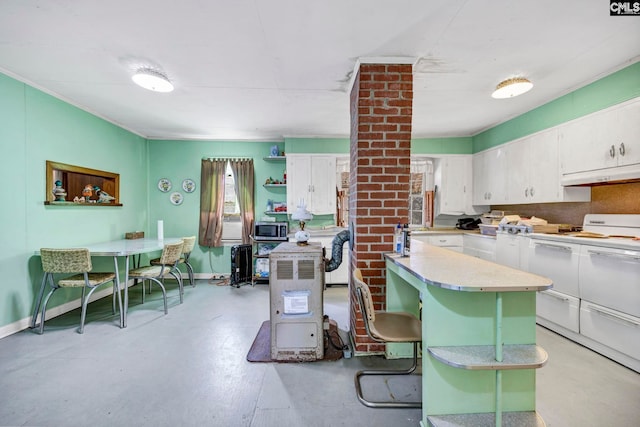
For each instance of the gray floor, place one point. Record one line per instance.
(189, 369)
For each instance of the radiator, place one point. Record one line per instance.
(241, 265)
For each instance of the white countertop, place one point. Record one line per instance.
(452, 270)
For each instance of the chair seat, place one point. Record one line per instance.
(397, 327)
(156, 261)
(148, 271)
(95, 279)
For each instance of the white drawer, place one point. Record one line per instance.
(558, 261)
(561, 309)
(611, 277)
(444, 240)
(616, 330)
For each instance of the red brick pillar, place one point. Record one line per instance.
(381, 110)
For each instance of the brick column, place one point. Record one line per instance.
(380, 160)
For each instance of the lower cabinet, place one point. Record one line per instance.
(453, 242)
(339, 276)
(479, 246)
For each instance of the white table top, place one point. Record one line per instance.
(448, 269)
(126, 247)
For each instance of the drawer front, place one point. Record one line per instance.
(445, 240)
(561, 309)
(616, 330)
(611, 277)
(558, 261)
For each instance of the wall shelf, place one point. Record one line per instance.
(275, 213)
(74, 179)
(275, 158)
(274, 185)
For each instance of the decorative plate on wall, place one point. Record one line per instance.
(188, 185)
(164, 185)
(176, 198)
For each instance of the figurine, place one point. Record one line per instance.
(58, 192)
(87, 192)
(103, 196)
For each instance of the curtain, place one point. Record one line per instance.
(244, 186)
(211, 202)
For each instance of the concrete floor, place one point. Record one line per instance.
(188, 368)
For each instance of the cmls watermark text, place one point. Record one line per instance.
(622, 8)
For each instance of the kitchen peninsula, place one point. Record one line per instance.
(478, 330)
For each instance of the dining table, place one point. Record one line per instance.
(130, 250)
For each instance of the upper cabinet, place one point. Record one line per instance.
(453, 179)
(490, 177)
(312, 178)
(605, 139)
(533, 167)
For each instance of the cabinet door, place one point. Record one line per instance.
(323, 185)
(489, 177)
(627, 141)
(586, 144)
(544, 168)
(450, 179)
(298, 181)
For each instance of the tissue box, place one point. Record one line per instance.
(134, 235)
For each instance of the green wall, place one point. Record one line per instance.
(35, 127)
(611, 90)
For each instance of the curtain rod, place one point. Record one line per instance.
(226, 158)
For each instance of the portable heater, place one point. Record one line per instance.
(241, 265)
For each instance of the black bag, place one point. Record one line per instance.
(468, 224)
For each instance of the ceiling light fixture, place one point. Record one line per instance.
(512, 87)
(152, 80)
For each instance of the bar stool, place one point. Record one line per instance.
(386, 327)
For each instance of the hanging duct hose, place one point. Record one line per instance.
(336, 251)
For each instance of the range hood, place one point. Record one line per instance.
(615, 175)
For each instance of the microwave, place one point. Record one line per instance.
(271, 231)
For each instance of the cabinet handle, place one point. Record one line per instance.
(558, 297)
(548, 245)
(612, 151)
(609, 314)
(489, 195)
(615, 255)
(531, 191)
(622, 149)
(526, 192)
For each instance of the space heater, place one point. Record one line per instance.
(241, 265)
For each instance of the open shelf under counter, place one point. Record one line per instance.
(514, 356)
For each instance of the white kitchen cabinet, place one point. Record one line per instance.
(453, 179)
(605, 139)
(490, 177)
(533, 168)
(341, 274)
(312, 178)
(479, 246)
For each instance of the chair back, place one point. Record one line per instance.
(171, 253)
(65, 260)
(189, 244)
(364, 297)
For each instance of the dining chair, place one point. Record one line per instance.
(78, 263)
(384, 326)
(189, 244)
(155, 273)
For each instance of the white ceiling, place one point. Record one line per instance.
(266, 69)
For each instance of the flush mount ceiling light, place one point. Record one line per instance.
(152, 80)
(512, 87)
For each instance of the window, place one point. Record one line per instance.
(232, 224)
(421, 175)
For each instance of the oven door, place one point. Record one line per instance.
(558, 261)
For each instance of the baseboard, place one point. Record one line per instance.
(52, 312)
